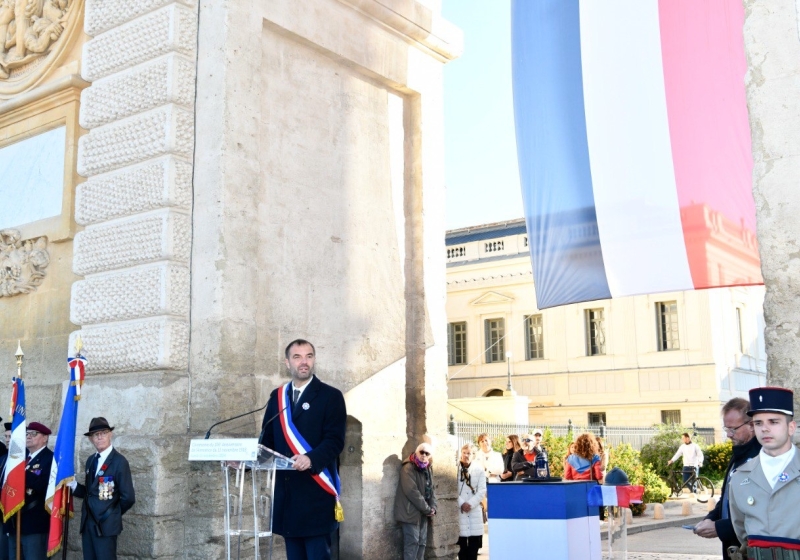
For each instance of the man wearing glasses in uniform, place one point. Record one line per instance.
(738, 426)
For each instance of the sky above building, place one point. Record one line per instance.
(481, 170)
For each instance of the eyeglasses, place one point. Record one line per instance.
(526, 440)
(102, 433)
(423, 452)
(728, 430)
(31, 434)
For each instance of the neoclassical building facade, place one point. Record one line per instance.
(632, 361)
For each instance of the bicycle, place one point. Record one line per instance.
(700, 486)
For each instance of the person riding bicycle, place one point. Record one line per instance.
(692, 458)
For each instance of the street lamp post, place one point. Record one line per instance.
(509, 388)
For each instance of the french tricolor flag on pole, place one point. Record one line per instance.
(634, 146)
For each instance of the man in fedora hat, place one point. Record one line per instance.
(107, 494)
(35, 519)
(764, 492)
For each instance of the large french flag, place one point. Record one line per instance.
(634, 146)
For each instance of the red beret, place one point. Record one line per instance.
(41, 428)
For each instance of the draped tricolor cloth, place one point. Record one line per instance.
(634, 146)
(12, 497)
(327, 479)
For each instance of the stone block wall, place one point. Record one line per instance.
(133, 302)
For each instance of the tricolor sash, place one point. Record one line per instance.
(327, 479)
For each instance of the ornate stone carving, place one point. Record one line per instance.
(33, 33)
(22, 263)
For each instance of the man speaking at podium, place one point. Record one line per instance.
(305, 420)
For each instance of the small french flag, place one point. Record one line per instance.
(620, 496)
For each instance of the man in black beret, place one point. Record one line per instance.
(35, 519)
(107, 494)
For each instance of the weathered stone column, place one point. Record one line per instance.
(772, 44)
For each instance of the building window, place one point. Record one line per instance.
(739, 337)
(495, 342)
(494, 393)
(670, 416)
(597, 418)
(456, 344)
(595, 332)
(534, 341)
(667, 316)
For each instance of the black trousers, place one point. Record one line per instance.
(468, 547)
(308, 548)
(95, 547)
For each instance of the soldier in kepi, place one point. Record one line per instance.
(764, 492)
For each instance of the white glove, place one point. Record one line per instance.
(72, 485)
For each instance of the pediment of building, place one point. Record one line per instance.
(491, 297)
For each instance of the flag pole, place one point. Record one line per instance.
(19, 356)
(67, 509)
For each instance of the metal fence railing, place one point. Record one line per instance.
(636, 436)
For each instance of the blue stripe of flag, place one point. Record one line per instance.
(553, 152)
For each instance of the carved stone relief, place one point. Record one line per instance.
(22, 263)
(33, 33)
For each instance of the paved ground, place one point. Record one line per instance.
(651, 539)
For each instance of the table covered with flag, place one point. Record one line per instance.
(554, 517)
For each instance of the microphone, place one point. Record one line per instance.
(208, 433)
(268, 422)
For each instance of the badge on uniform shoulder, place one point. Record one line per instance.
(306, 406)
(745, 481)
(783, 477)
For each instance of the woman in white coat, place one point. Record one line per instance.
(471, 490)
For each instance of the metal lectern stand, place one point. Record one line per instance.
(261, 476)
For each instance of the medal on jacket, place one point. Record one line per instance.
(105, 489)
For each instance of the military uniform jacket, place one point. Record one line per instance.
(301, 507)
(758, 509)
(35, 518)
(107, 513)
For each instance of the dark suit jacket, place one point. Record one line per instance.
(107, 513)
(724, 527)
(35, 519)
(301, 507)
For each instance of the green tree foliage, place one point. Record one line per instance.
(717, 457)
(556, 447)
(640, 474)
(662, 447)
